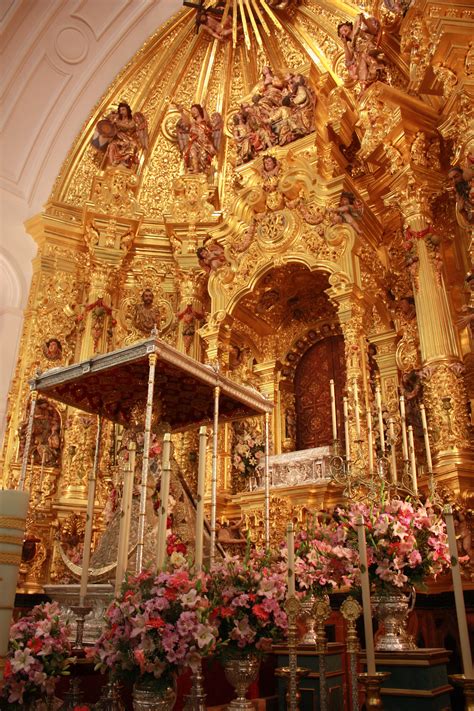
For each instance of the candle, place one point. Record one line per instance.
(164, 495)
(429, 462)
(458, 594)
(403, 420)
(346, 429)
(356, 408)
(378, 401)
(201, 487)
(364, 581)
(393, 453)
(125, 516)
(290, 542)
(370, 441)
(267, 481)
(411, 450)
(91, 486)
(333, 410)
(13, 510)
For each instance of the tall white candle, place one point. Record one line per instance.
(356, 408)
(13, 510)
(267, 481)
(290, 542)
(403, 421)
(411, 450)
(393, 452)
(346, 428)
(366, 606)
(458, 595)
(333, 410)
(378, 402)
(125, 517)
(201, 488)
(164, 495)
(429, 462)
(370, 442)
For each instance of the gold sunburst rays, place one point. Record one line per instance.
(250, 15)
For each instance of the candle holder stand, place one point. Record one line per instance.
(351, 610)
(372, 684)
(467, 688)
(321, 611)
(111, 697)
(292, 606)
(74, 695)
(80, 612)
(285, 673)
(196, 701)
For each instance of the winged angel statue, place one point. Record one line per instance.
(199, 138)
(120, 136)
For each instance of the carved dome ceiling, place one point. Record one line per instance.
(180, 65)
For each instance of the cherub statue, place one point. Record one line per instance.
(52, 349)
(462, 182)
(221, 30)
(350, 210)
(121, 135)
(211, 256)
(199, 138)
(364, 60)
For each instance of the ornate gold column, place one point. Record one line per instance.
(444, 390)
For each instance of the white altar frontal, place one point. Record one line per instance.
(306, 466)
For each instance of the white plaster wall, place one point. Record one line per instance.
(58, 57)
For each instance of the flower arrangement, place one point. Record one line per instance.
(323, 560)
(247, 598)
(406, 542)
(158, 625)
(39, 653)
(249, 449)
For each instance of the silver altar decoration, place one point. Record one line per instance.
(307, 466)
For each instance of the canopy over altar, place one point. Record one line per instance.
(115, 384)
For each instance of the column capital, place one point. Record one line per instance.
(412, 192)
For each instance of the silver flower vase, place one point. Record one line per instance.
(241, 672)
(146, 697)
(391, 609)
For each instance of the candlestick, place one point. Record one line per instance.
(164, 496)
(458, 594)
(346, 428)
(267, 481)
(378, 402)
(215, 460)
(356, 408)
(290, 542)
(370, 442)
(393, 454)
(13, 510)
(201, 488)
(403, 421)
(125, 516)
(411, 448)
(366, 606)
(333, 410)
(86, 554)
(429, 462)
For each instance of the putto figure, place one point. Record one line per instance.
(211, 256)
(279, 111)
(349, 210)
(121, 135)
(52, 349)
(364, 59)
(462, 182)
(199, 138)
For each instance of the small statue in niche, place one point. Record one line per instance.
(406, 308)
(374, 370)
(349, 210)
(245, 149)
(146, 316)
(290, 424)
(411, 388)
(199, 138)
(52, 349)
(462, 182)
(121, 135)
(364, 60)
(190, 317)
(211, 256)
